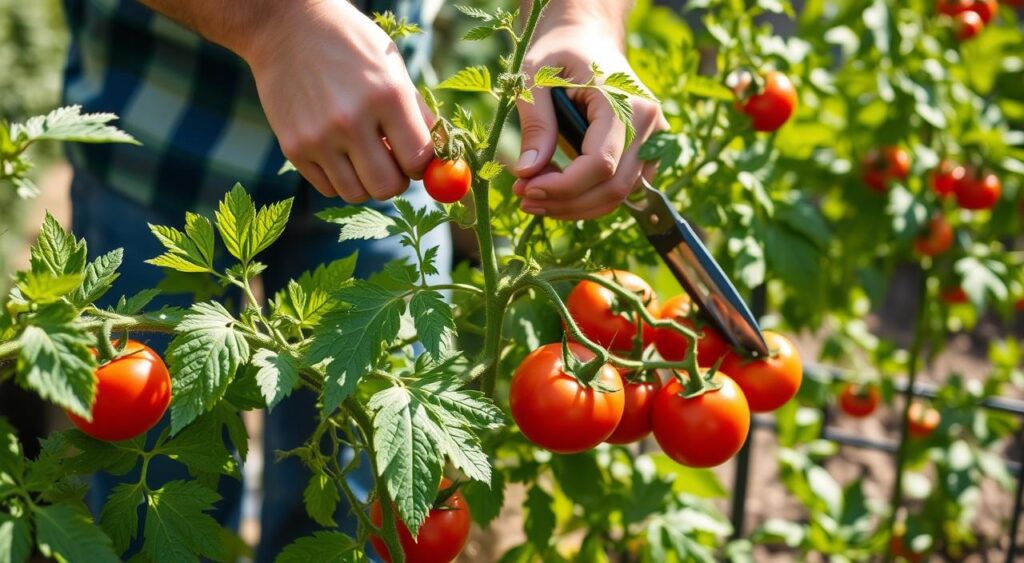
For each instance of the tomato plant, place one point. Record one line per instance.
(442, 535)
(673, 346)
(880, 167)
(133, 390)
(978, 190)
(447, 181)
(944, 178)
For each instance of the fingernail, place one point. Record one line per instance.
(534, 210)
(527, 159)
(534, 193)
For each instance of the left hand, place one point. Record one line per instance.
(606, 171)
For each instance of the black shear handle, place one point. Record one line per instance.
(572, 124)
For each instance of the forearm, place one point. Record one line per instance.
(234, 24)
(609, 14)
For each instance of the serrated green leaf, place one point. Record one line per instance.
(70, 124)
(471, 79)
(116, 458)
(623, 111)
(270, 223)
(56, 359)
(67, 533)
(434, 321)
(46, 287)
(474, 12)
(321, 499)
(359, 223)
(490, 169)
(178, 524)
(185, 253)
(322, 547)
(540, 517)
(203, 359)
(234, 216)
(277, 375)
(486, 499)
(407, 456)
(100, 274)
(15, 539)
(135, 303)
(706, 87)
(119, 517)
(472, 408)
(200, 447)
(56, 251)
(548, 77)
(479, 32)
(353, 338)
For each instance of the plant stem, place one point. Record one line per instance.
(494, 310)
(920, 332)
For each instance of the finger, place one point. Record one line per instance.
(377, 171)
(408, 134)
(341, 173)
(315, 175)
(539, 133)
(519, 186)
(602, 149)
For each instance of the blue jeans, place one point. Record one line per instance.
(108, 220)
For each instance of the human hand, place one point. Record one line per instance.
(337, 94)
(606, 171)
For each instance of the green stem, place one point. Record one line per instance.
(389, 530)
(524, 239)
(920, 333)
(455, 287)
(494, 310)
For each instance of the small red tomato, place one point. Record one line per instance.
(922, 421)
(447, 181)
(986, 10)
(978, 190)
(770, 108)
(441, 536)
(944, 178)
(604, 318)
(557, 412)
(132, 394)
(953, 295)
(884, 166)
(967, 25)
(673, 346)
(636, 415)
(771, 382)
(702, 431)
(859, 401)
(936, 239)
(954, 7)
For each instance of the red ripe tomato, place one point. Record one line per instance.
(944, 178)
(936, 239)
(554, 410)
(978, 191)
(922, 421)
(966, 25)
(953, 295)
(885, 165)
(770, 382)
(636, 415)
(986, 9)
(447, 181)
(770, 108)
(859, 401)
(439, 540)
(673, 346)
(702, 431)
(132, 394)
(954, 7)
(606, 319)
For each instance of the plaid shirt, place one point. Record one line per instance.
(191, 103)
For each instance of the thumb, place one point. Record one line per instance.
(539, 133)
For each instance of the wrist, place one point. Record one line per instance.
(262, 33)
(600, 18)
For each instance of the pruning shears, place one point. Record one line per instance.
(680, 248)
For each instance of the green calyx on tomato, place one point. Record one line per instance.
(703, 430)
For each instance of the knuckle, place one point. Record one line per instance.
(532, 126)
(297, 145)
(605, 165)
(620, 189)
(343, 120)
(388, 188)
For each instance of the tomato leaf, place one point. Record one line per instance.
(307, 299)
(178, 524)
(245, 231)
(15, 538)
(200, 447)
(116, 458)
(548, 77)
(435, 324)
(277, 375)
(471, 79)
(119, 517)
(474, 12)
(408, 459)
(46, 287)
(135, 303)
(70, 124)
(326, 547)
(540, 517)
(203, 358)
(321, 499)
(67, 532)
(56, 251)
(12, 460)
(56, 360)
(359, 223)
(100, 274)
(486, 499)
(354, 337)
(189, 251)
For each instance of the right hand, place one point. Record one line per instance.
(338, 96)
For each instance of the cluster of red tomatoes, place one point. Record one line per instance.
(861, 400)
(969, 16)
(557, 411)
